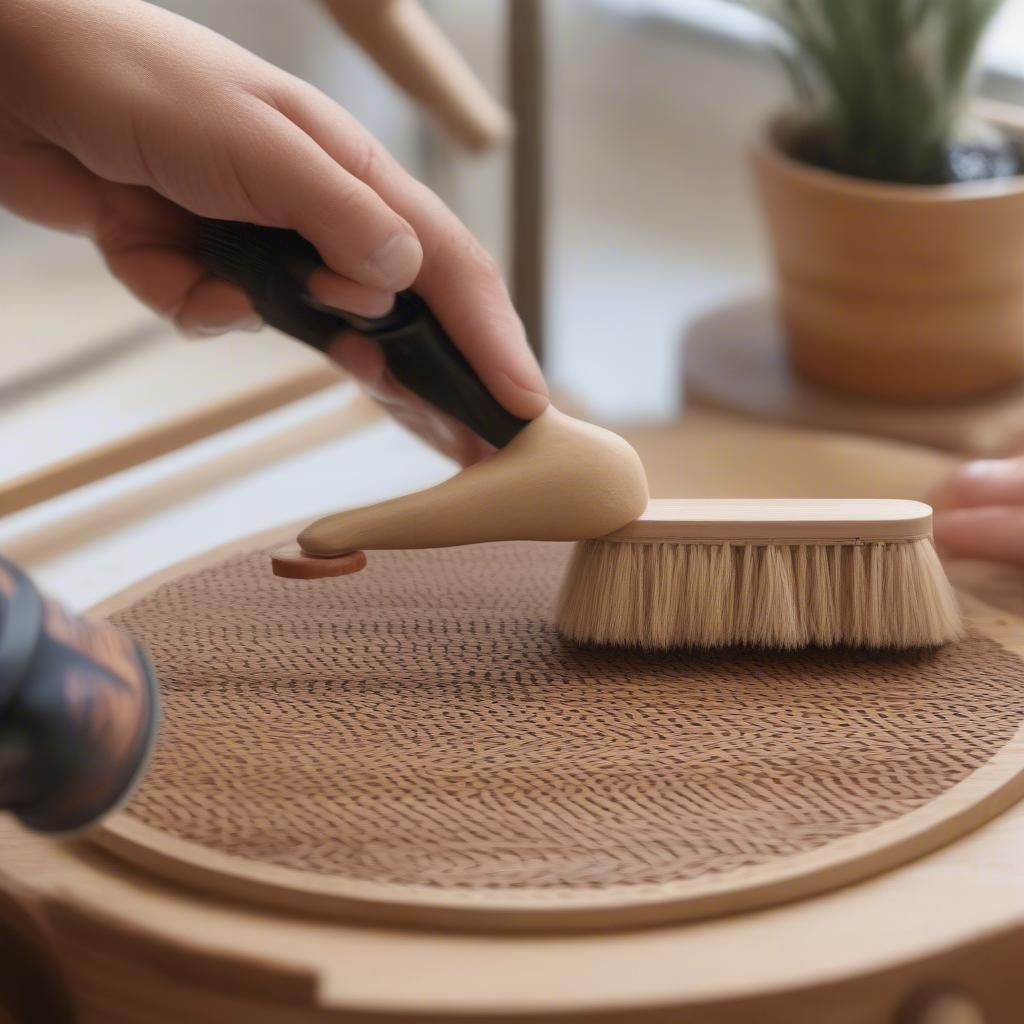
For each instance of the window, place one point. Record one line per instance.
(1003, 49)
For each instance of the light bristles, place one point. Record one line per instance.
(659, 595)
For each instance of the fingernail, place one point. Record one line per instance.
(396, 263)
(210, 330)
(205, 331)
(522, 399)
(370, 305)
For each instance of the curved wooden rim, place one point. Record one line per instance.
(983, 795)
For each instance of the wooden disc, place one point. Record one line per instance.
(736, 362)
(415, 744)
(290, 562)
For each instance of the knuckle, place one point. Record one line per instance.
(365, 160)
(469, 250)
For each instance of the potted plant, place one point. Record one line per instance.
(896, 219)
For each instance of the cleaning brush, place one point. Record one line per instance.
(762, 573)
(684, 574)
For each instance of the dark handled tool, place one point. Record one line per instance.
(78, 710)
(273, 265)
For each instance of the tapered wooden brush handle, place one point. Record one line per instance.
(273, 265)
(559, 479)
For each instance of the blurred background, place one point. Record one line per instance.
(126, 450)
(650, 107)
(651, 222)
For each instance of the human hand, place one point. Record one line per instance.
(123, 121)
(979, 511)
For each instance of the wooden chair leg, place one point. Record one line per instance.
(412, 51)
(526, 73)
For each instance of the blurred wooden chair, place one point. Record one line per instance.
(400, 37)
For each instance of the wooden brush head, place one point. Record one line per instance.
(782, 520)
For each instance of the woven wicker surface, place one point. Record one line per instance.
(421, 723)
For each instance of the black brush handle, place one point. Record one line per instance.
(273, 265)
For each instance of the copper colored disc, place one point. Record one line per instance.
(416, 743)
(291, 562)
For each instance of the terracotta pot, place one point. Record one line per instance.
(904, 292)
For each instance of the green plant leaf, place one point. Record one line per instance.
(885, 80)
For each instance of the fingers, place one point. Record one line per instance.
(990, 533)
(278, 175)
(213, 306)
(979, 511)
(217, 132)
(335, 292)
(175, 284)
(148, 244)
(458, 279)
(182, 111)
(355, 232)
(463, 286)
(363, 359)
(144, 238)
(46, 185)
(982, 482)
